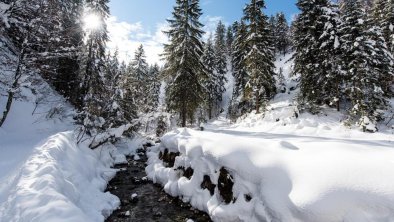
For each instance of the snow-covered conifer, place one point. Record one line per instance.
(185, 92)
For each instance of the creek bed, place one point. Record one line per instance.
(143, 201)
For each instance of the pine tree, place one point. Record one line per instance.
(239, 103)
(272, 24)
(281, 37)
(383, 16)
(229, 40)
(330, 78)
(363, 63)
(211, 82)
(127, 93)
(139, 64)
(185, 92)
(387, 24)
(139, 74)
(34, 27)
(92, 70)
(154, 86)
(260, 57)
(220, 63)
(309, 27)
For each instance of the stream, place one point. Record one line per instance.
(144, 201)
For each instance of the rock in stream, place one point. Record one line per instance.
(143, 201)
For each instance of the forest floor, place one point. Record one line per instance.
(142, 200)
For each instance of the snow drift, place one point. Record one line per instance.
(278, 177)
(61, 181)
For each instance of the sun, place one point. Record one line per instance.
(92, 21)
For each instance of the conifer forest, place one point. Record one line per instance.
(197, 110)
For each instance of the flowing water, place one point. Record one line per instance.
(143, 201)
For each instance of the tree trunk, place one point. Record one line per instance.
(257, 103)
(15, 84)
(183, 113)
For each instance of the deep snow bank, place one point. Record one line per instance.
(61, 181)
(277, 177)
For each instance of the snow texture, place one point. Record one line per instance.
(294, 166)
(289, 177)
(61, 181)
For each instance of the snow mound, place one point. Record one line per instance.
(277, 177)
(61, 181)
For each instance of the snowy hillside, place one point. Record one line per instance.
(44, 174)
(281, 166)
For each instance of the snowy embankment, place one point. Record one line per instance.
(61, 181)
(274, 177)
(44, 174)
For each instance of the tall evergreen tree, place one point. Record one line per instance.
(260, 57)
(309, 27)
(154, 86)
(281, 38)
(229, 40)
(239, 102)
(185, 92)
(139, 64)
(212, 80)
(330, 76)
(220, 63)
(92, 68)
(362, 62)
(139, 69)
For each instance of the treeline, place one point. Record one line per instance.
(196, 71)
(344, 55)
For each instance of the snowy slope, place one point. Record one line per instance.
(44, 174)
(61, 181)
(294, 167)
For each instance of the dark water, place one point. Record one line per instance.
(152, 203)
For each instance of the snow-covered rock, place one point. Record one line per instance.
(280, 177)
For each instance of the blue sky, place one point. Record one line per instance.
(135, 22)
(151, 12)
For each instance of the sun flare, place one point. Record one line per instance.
(92, 21)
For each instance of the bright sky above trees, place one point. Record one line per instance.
(141, 21)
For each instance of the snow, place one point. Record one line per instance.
(44, 174)
(290, 177)
(61, 181)
(295, 166)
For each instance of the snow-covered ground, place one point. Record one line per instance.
(285, 167)
(44, 174)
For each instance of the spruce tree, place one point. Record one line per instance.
(309, 27)
(364, 64)
(185, 92)
(220, 64)
(260, 56)
(139, 73)
(239, 103)
(281, 37)
(229, 40)
(330, 74)
(92, 69)
(211, 83)
(139, 64)
(154, 86)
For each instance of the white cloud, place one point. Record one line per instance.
(127, 37)
(210, 25)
